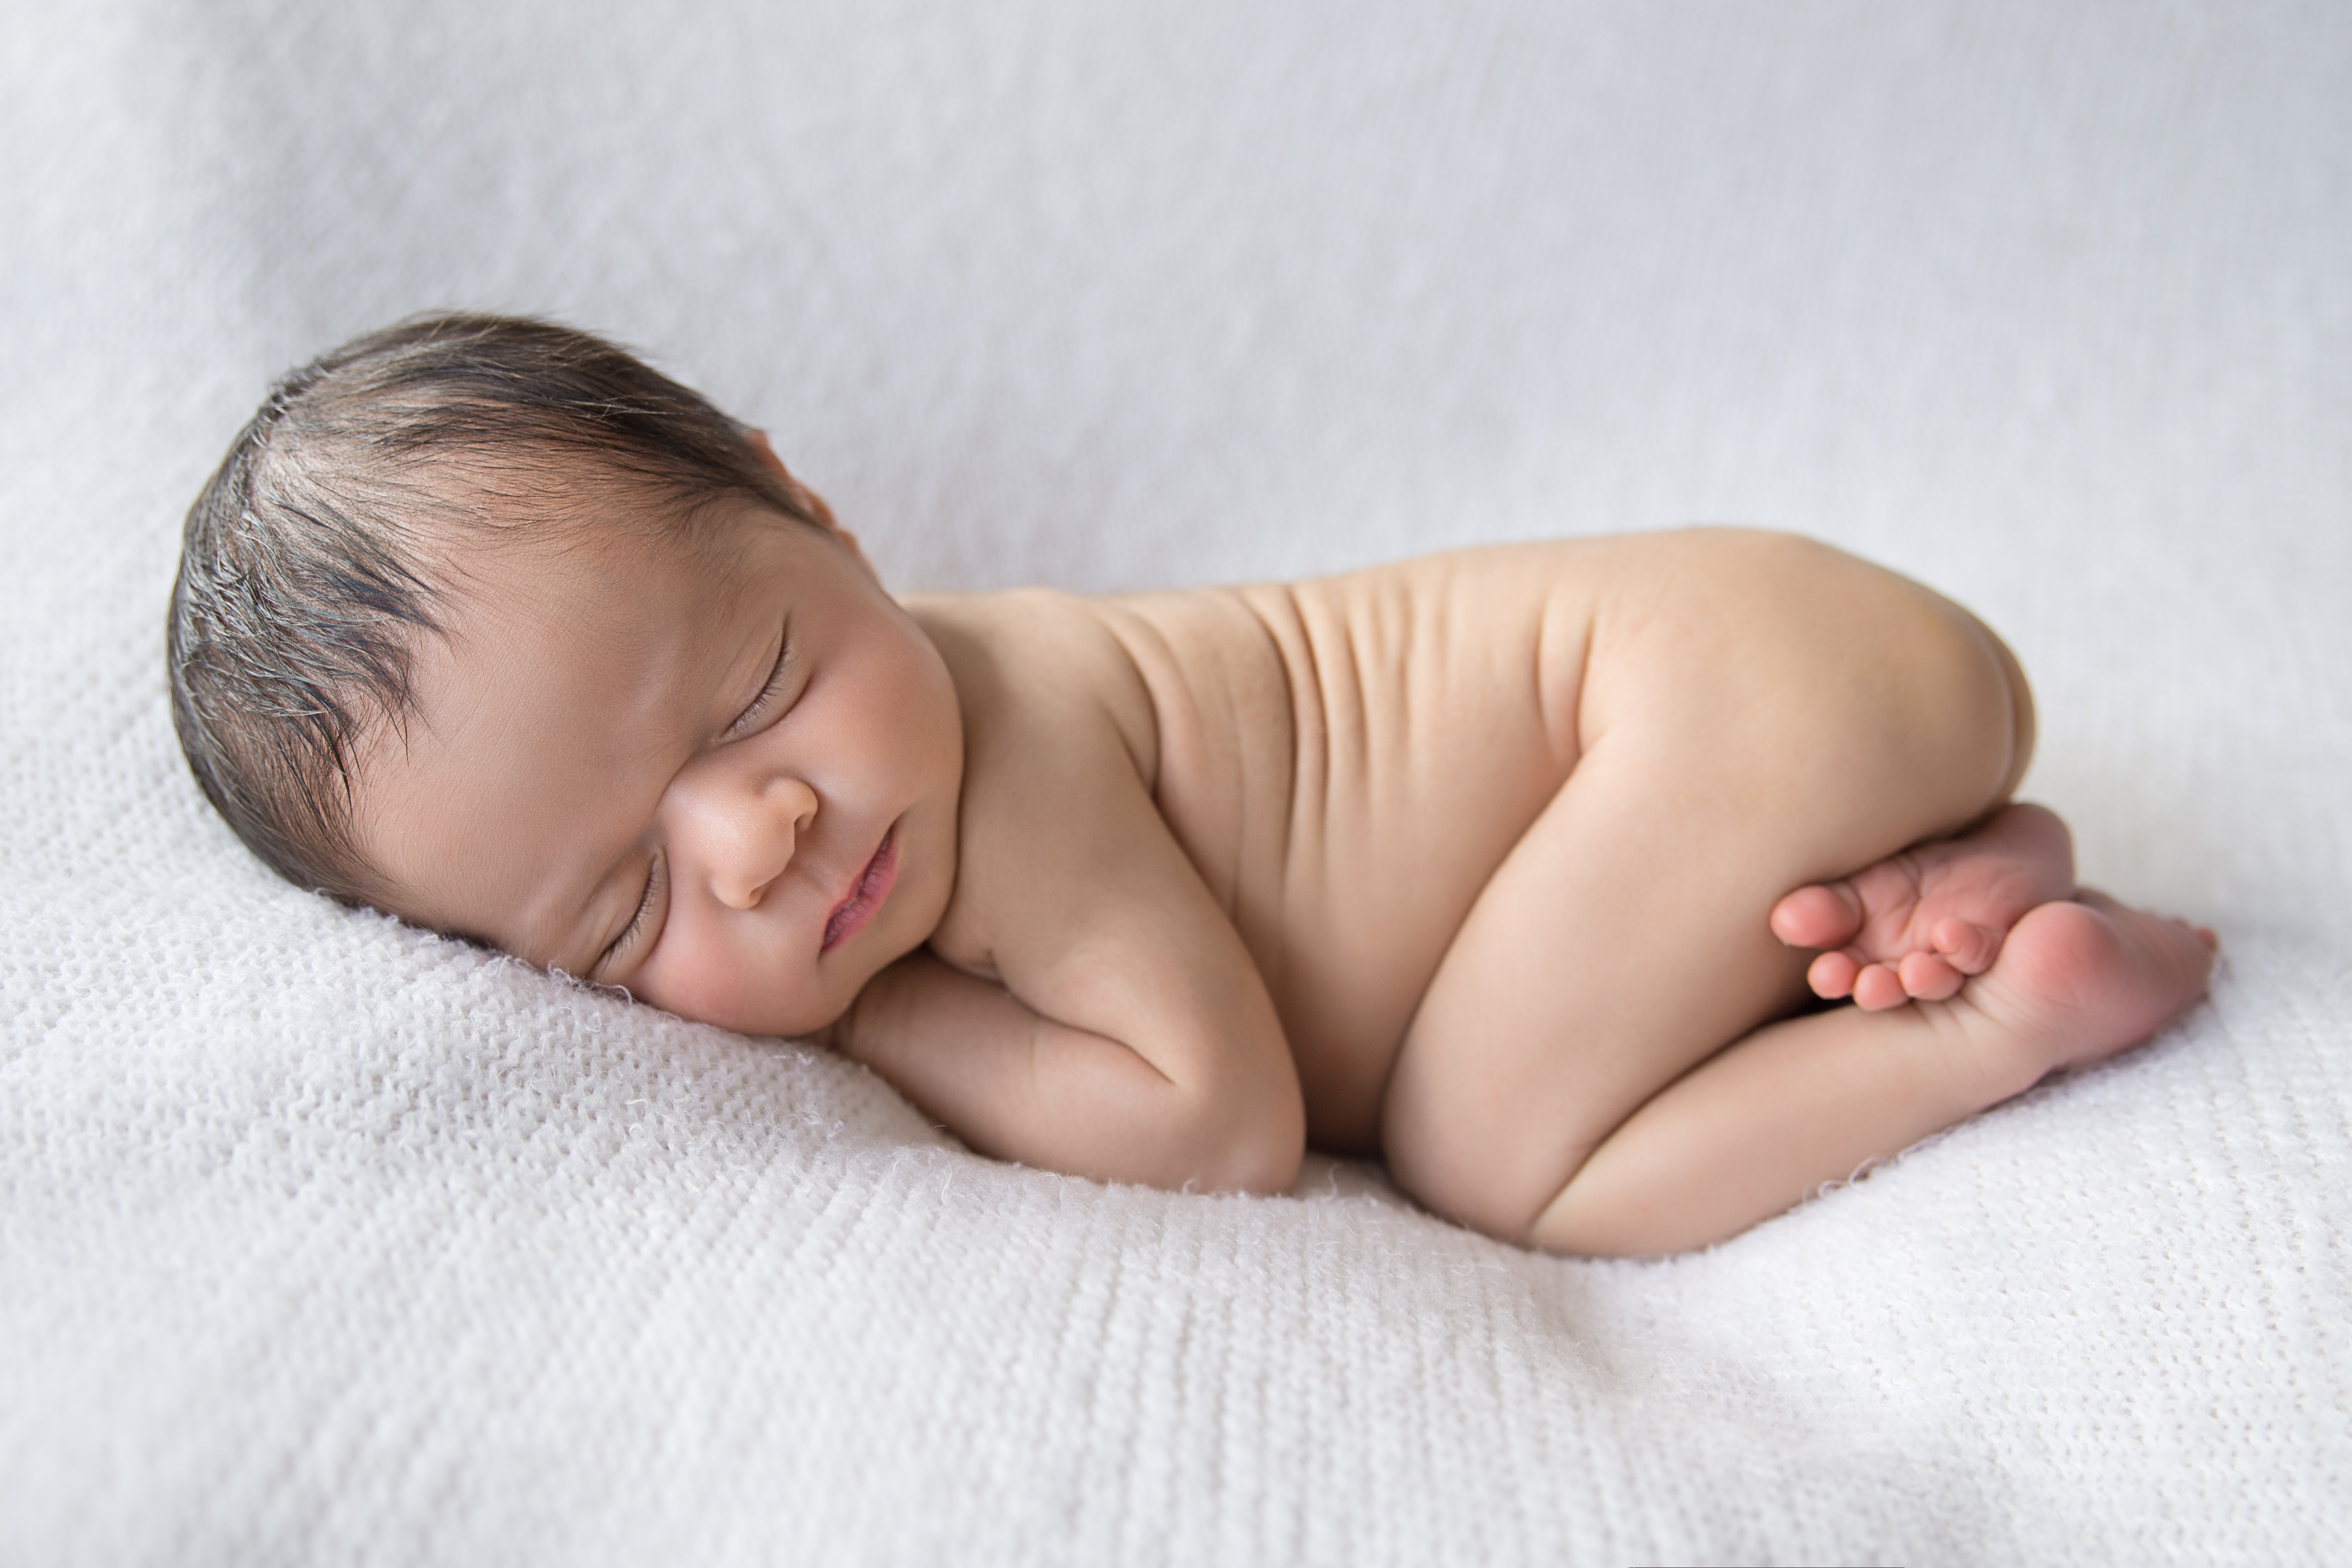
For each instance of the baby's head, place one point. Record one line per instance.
(487, 623)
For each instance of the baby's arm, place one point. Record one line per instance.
(1018, 1085)
(1130, 1036)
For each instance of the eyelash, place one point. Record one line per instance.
(637, 921)
(743, 721)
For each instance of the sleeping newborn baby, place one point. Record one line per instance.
(1510, 865)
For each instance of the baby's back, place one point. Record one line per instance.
(1345, 761)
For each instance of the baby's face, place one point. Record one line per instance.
(726, 782)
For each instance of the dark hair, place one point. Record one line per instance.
(306, 571)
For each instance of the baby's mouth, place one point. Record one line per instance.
(866, 896)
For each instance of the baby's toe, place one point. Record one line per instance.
(1832, 976)
(1966, 946)
(1927, 978)
(1878, 988)
(1823, 915)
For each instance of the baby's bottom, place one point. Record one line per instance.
(1597, 1066)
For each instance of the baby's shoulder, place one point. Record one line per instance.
(1059, 747)
(1026, 655)
(1042, 682)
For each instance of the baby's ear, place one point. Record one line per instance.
(808, 500)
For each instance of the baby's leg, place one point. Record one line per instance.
(1918, 923)
(1762, 1125)
(1757, 714)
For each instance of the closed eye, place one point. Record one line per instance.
(637, 924)
(748, 720)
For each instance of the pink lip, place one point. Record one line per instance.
(873, 885)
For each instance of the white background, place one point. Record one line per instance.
(321, 1241)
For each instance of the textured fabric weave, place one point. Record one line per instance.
(324, 1241)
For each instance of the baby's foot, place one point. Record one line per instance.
(1918, 924)
(2079, 980)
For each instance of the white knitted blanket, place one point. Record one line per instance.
(323, 1241)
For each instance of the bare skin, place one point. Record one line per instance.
(1916, 925)
(1481, 862)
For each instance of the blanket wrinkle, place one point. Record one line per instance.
(325, 1240)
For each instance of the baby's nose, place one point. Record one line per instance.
(755, 836)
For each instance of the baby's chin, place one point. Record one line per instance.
(752, 1013)
(746, 1007)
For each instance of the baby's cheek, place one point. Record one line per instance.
(711, 984)
(694, 981)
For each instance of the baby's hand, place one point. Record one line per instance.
(1916, 925)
